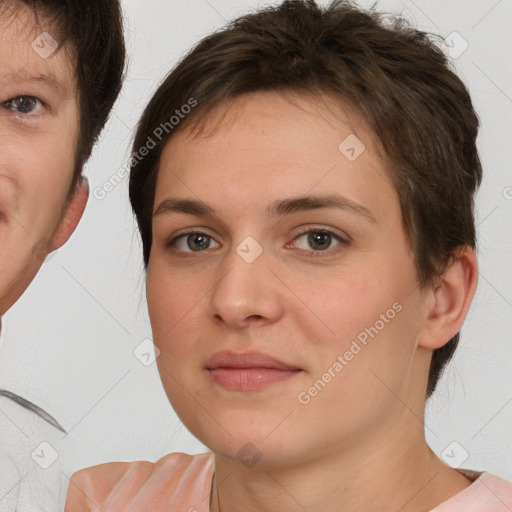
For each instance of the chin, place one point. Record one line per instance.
(246, 435)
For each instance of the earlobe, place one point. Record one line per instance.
(451, 300)
(72, 216)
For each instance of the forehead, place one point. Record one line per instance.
(288, 115)
(269, 146)
(30, 52)
(269, 126)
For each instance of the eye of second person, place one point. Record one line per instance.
(198, 241)
(22, 104)
(319, 240)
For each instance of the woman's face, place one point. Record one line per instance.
(281, 288)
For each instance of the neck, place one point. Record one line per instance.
(395, 470)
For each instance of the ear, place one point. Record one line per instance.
(72, 216)
(450, 300)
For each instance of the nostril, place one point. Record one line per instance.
(241, 324)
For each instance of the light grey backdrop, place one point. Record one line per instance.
(68, 343)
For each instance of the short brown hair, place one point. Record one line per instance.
(397, 77)
(93, 30)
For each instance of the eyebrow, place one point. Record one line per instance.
(24, 78)
(278, 208)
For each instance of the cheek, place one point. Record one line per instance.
(174, 309)
(375, 349)
(371, 317)
(45, 169)
(347, 302)
(46, 203)
(174, 301)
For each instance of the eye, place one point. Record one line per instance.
(319, 240)
(193, 242)
(24, 105)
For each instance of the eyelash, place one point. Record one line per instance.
(312, 253)
(342, 242)
(23, 115)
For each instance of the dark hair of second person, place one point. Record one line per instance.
(395, 75)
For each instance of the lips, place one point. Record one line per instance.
(249, 371)
(227, 359)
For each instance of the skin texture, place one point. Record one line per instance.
(360, 441)
(37, 213)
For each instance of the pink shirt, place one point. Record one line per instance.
(487, 493)
(186, 482)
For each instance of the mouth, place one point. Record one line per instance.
(249, 371)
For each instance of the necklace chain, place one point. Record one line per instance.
(217, 492)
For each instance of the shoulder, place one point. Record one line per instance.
(9, 482)
(495, 489)
(33, 458)
(487, 492)
(177, 477)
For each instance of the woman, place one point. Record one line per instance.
(303, 183)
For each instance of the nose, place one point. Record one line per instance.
(247, 294)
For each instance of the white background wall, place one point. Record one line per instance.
(68, 343)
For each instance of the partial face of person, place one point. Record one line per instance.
(39, 122)
(281, 287)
